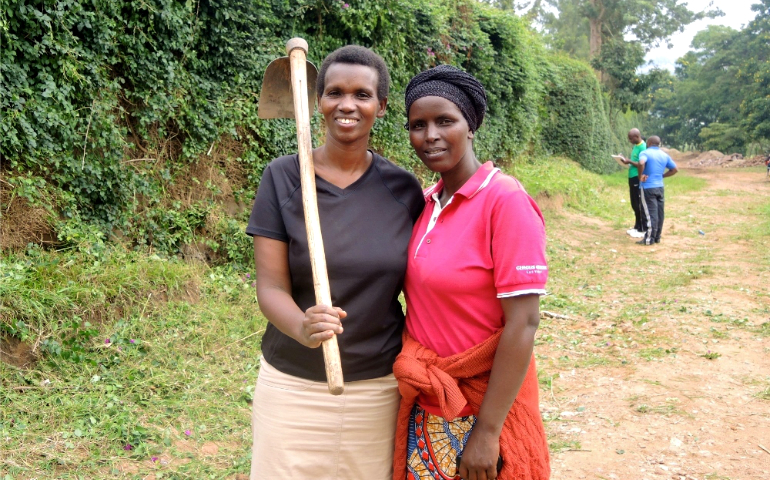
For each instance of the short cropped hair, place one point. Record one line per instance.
(356, 55)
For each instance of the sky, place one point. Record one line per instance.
(737, 14)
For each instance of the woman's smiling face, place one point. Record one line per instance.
(439, 134)
(349, 101)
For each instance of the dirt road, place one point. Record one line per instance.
(662, 368)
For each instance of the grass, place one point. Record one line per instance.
(545, 380)
(683, 183)
(137, 358)
(762, 329)
(711, 355)
(564, 445)
(764, 394)
(683, 278)
(759, 230)
(716, 333)
(593, 360)
(656, 353)
(583, 191)
(671, 406)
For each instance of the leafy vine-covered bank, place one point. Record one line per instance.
(136, 121)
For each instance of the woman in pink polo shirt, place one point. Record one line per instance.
(475, 271)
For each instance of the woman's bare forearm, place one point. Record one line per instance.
(479, 457)
(511, 362)
(280, 309)
(311, 327)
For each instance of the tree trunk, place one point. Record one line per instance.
(595, 41)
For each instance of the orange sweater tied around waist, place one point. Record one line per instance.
(461, 380)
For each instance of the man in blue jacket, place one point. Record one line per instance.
(654, 166)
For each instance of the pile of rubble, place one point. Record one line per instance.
(753, 161)
(713, 158)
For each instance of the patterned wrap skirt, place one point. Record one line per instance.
(434, 444)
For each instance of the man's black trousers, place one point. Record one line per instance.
(636, 204)
(652, 206)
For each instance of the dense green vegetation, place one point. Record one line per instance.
(614, 36)
(125, 364)
(576, 122)
(719, 95)
(134, 121)
(717, 98)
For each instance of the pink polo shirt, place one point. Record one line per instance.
(486, 243)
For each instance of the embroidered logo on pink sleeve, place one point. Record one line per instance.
(532, 269)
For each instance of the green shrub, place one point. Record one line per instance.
(577, 188)
(575, 124)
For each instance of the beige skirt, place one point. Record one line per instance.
(301, 431)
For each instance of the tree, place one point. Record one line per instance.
(501, 4)
(706, 91)
(720, 96)
(723, 137)
(756, 72)
(619, 61)
(614, 35)
(649, 22)
(566, 29)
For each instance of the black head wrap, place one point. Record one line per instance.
(458, 87)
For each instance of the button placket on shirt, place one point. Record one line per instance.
(435, 218)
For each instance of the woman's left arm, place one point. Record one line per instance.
(522, 317)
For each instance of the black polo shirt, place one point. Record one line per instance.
(366, 229)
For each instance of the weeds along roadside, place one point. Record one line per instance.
(125, 358)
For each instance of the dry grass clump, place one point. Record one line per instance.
(22, 223)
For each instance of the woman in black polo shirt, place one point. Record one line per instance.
(367, 207)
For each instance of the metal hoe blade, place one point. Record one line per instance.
(275, 100)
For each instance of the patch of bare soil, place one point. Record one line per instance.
(183, 450)
(21, 223)
(15, 352)
(550, 202)
(662, 368)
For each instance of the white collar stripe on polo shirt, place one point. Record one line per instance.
(429, 191)
(485, 182)
(437, 209)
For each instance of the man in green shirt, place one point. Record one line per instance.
(635, 137)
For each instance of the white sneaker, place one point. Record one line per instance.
(632, 231)
(637, 234)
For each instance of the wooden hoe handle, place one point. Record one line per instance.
(297, 48)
